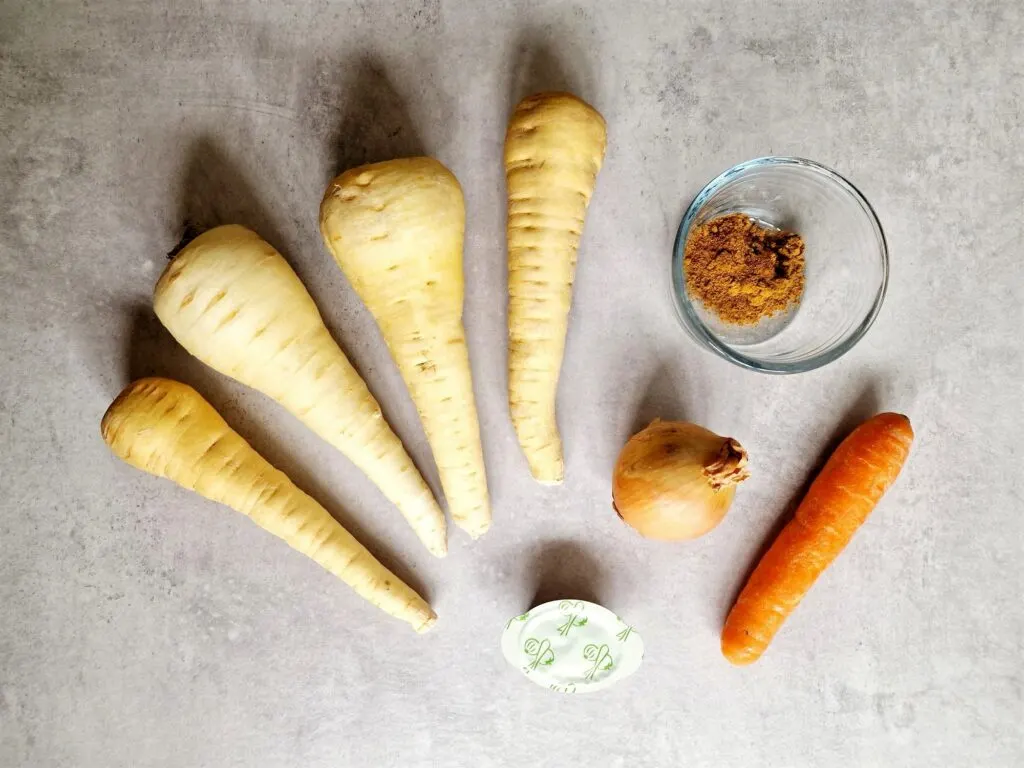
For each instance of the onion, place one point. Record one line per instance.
(675, 481)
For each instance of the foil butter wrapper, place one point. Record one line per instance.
(572, 646)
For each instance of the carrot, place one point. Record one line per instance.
(232, 301)
(396, 230)
(167, 429)
(838, 502)
(554, 148)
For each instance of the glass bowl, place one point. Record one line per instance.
(846, 264)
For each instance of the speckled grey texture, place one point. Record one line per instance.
(142, 626)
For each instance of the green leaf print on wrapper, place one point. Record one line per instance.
(567, 688)
(563, 630)
(601, 658)
(540, 651)
(573, 609)
(520, 617)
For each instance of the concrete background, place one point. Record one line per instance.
(143, 626)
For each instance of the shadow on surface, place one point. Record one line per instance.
(356, 106)
(154, 352)
(665, 397)
(563, 569)
(538, 68)
(863, 407)
(217, 191)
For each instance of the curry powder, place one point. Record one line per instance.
(742, 271)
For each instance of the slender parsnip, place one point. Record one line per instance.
(838, 502)
(396, 230)
(167, 429)
(232, 301)
(554, 149)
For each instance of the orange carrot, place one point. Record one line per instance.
(838, 502)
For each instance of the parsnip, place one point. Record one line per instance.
(232, 301)
(396, 230)
(554, 149)
(167, 429)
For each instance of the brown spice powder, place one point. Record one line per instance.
(741, 271)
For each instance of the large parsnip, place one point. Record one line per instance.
(167, 429)
(232, 301)
(554, 149)
(396, 230)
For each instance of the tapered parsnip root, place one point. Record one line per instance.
(232, 301)
(396, 230)
(554, 149)
(167, 429)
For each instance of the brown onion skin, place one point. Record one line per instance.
(675, 481)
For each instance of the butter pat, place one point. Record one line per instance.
(572, 646)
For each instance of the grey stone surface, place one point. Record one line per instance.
(142, 626)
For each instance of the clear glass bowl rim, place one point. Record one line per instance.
(703, 335)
